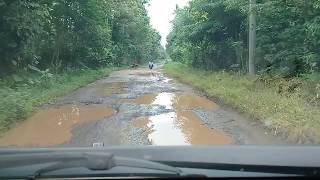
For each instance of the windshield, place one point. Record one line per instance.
(159, 72)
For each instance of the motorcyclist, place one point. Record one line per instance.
(151, 64)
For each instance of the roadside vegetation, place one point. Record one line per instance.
(292, 113)
(208, 45)
(21, 99)
(51, 47)
(213, 35)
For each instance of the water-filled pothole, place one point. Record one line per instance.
(53, 126)
(180, 127)
(177, 100)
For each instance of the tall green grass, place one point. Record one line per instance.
(290, 114)
(22, 97)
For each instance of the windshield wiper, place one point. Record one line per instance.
(91, 161)
(293, 170)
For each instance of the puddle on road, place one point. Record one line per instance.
(164, 99)
(112, 88)
(177, 101)
(167, 80)
(53, 126)
(181, 127)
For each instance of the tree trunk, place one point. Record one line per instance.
(252, 37)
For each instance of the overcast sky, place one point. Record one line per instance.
(161, 13)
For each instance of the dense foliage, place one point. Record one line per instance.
(66, 34)
(212, 34)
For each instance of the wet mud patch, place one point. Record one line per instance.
(145, 99)
(180, 128)
(136, 72)
(53, 126)
(108, 91)
(111, 88)
(145, 124)
(112, 84)
(147, 73)
(192, 101)
(126, 101)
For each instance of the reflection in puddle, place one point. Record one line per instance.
(111, 88)
(181, 127)
(163, 130)
(52, 126)
(164, 99)
(178, 100)
(167, 80)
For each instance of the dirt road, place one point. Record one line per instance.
(136, 107)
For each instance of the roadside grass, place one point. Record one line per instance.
(291, 113)
(20, 99)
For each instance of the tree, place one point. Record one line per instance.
(63, 34)
(213, 35)
(252, 37)
(208, 35)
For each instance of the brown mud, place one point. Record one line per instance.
(111, 88)
(52, 126)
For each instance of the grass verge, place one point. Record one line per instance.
(289, 114)
(20, 99)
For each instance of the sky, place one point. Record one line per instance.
(161, 12)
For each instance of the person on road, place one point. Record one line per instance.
(150, 64)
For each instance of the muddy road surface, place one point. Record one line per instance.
(135, 107)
